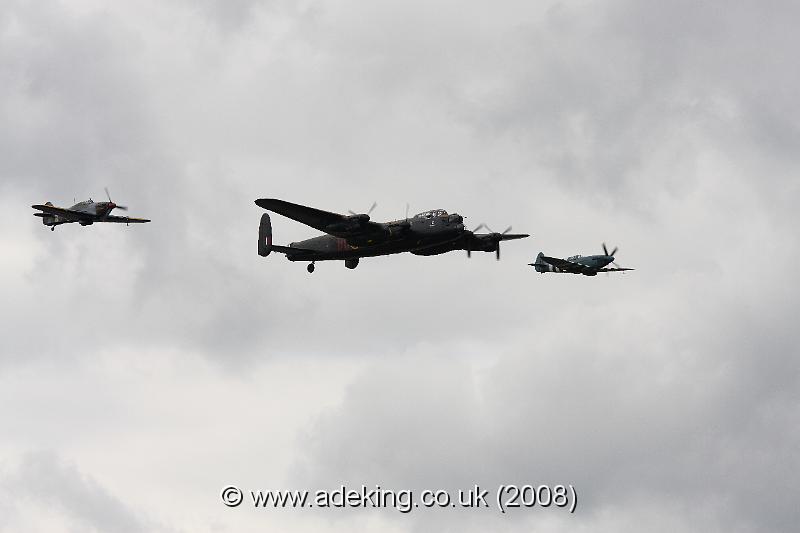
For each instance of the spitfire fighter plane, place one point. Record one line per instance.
(85, 213)
(351, 237)
(588, 265)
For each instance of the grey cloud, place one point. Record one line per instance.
(668, 129)
(595, 92)
(42, 483)
(72, 109)
(685, 418)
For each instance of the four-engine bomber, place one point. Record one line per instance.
(351, 237)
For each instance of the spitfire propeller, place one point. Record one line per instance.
(612, 254)
(605, 250)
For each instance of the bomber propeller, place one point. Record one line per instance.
(492, 235)
(368, 213)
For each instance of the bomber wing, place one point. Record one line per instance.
(475, 241)
(507, 236)
(347, 227)
(488, 242)
(64, 213)
(316, 218)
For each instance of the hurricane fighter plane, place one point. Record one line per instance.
(85, 213)
(351, 237)
(588, 265)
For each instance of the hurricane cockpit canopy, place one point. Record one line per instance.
(432, 214)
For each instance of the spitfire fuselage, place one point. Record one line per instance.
(589, 265)
(594, 261)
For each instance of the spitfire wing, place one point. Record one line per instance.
(324, 221)
(621, 269)
(64, 213)
(566, 266)
(122, 220)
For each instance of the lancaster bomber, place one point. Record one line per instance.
(350, 237)
(85, 213)
(588, 265)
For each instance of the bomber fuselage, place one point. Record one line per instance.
(428, 233)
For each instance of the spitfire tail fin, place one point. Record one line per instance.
(540, 265)
(265, 236)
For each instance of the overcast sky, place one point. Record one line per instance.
(144, 368)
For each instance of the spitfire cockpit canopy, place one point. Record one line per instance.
(432, 214)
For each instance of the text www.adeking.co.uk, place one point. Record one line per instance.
(504, 497)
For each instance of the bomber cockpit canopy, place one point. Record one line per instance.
(435, 213)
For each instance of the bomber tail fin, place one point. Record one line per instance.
(265, 236)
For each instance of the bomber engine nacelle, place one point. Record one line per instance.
(351, 223)
(357, 230)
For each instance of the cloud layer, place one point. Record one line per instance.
(144, 368)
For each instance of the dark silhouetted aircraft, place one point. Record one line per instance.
(351, 237)
(85, 213)
(588, 265)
